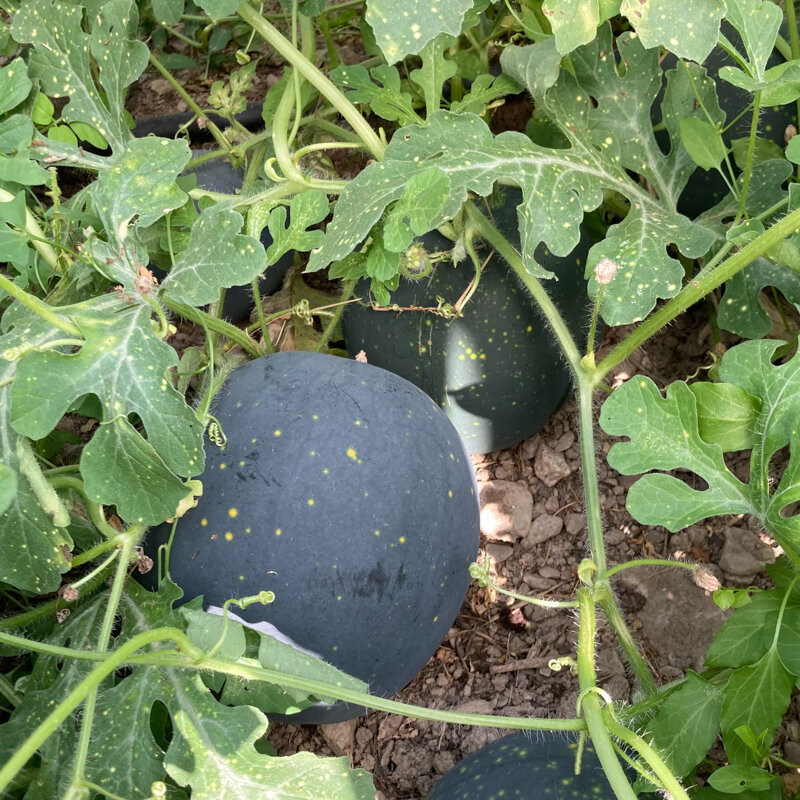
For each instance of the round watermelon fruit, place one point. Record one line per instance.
(344, 490)
(523, 766)
(497, 371)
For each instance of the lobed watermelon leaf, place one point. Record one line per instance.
(664, 435)
(125, 365)
(689, 28)
(606, 138)
(216, 256)
(59, 61)
(403, 27)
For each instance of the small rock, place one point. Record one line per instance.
(160, 86)
(615, 536)
(550, 572)
(537, 582)
(565, 441)
(340, 736)
(443, 761)
(678, 619)
(543, 528)
(550, 466)
(506, 510)
(744, 555)
(575, 523)
(793, 729)
(530, 445)
(498, 552)
(476, 706)
(791, 752)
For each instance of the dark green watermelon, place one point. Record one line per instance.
(525, 766)
(347, 492)
(497, 371)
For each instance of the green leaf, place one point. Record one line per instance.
(536, 66)
(380, 89)
(217, 9)
(702, 142)
(436, 69)
(744, 637)
(20, 169)
(48, 684)
(15, 85)
(726, 415)
(382, 264)
(740, 310)
(417, 209)
(205, 630)
(689, 28)
(687, 723)
(789, 641)
(764, 150)
(664, 434)
(217, 256)
(140, 182)
(758, 697)
(8, 486)
(167, 12)
(485, 89)
(733, 779)
(757, 22)
(306, 209)
(403, 27)
(558, 186)
(122, 469)
(125, 365)
(574, 22)
(59, 59)
(230, 767)
(34, 548)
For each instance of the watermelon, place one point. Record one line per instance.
(497, 371)
(347, 492)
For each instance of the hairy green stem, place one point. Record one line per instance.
(111, 662)
(8, 691)
(591, 491)
(648, 562)
(348, 288)
(49, 608)
(608, 603)
(496, 239)
(315, 77)
(695, 290)
(95, 510)
(592, 710)
(103, 641)
(751, 149)
(654, 760)
(214, 324)
(40, 308)
(218, 135)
